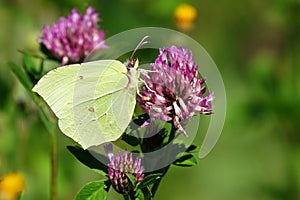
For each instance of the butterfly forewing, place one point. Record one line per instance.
(91, 100)
(93, 105)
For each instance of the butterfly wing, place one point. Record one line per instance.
(56, 88)
(91, 100)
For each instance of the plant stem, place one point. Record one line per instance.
(156, 184)
(53, 155)
(53, 152)
(164, 170)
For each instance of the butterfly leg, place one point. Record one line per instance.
(146, 85)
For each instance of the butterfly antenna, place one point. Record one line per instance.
(142, 42)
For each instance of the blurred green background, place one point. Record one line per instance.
(255, 44)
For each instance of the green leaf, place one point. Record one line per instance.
(33, 66)
(47, 52)
(147, 193)
(41, 67)
(185, 160)
(96, 190)
(139, 195)
(193, 149)
(86, 158)
(143, 194)
(21, 75)
(29, 64)
(148, 180)
(99, 171)
(131, 179)
(131, 140)
(140, 120)
(126, 197)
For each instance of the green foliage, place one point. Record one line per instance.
(187, 158)
(131, 179)
(131, 140)
(143, 194)
(22, 76)
(31, 68)
(149, 180)
(96, 190)
(88, 159)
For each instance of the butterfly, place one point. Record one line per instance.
(93, 101)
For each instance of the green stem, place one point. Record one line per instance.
(53, 152)
(53, 155)
(172, 133)
(164, 170)
(156, 184)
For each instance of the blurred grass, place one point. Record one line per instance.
(256, 46)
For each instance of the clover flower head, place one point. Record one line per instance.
(74, 37)
(173, 91)
(119, 166)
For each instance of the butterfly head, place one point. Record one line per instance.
(134, 62)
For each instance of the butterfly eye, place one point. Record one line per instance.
(132, 62)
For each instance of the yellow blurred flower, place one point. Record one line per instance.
(185, 15)
(11, 186)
